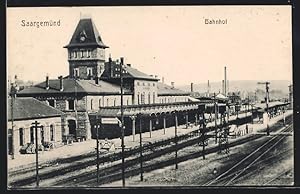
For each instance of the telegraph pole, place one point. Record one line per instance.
(122, 122)
(141, 148)
(97, 146)
(36, 152)
(216, 124)
(176, 164)
(203, 135)
(13, 96)
(267, 104)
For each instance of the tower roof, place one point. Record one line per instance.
(86, 34)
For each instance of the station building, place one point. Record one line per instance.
(22, 115)
(92, 90)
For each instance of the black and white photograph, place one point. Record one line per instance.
(149, 97)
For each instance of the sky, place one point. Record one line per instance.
(169, 41)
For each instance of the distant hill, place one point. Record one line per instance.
(278, 88)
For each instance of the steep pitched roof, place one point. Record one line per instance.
(86, 28)
(164, 89)
(130, 72)
(29, 108)
(72, 86)
(138, 74)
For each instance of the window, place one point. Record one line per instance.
(91, 104)
(138, 83)
(21, 136)
(51, 103)
(42, 134)
(107, 102)
(89, 53)
(153, 97)
(127, 102)
(149, 98)
(99, 102)
(138, 98)
(114, 102)
(71, 105)
(51, 133)
(89, 71)
(31, 134)
(76, 72)
(143, 84)
(143, 98)
(82, 53)
(148, 84)
(153, 84)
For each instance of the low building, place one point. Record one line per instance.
(22, 113)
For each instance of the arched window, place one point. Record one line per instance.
(143, 98)
(153, 97)
(21, 136)
(52, 132)
(31, 135)
(149, 98)
(42, 134)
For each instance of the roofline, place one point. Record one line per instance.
(85, 45)
(40, 117)
(168, 94)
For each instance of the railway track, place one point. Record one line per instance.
(133, 169)
(151, 151)
(231, 175)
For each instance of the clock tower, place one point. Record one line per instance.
(86, 52)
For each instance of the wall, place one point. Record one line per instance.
(171, 99)
(145, 87)
(108, 100)
(46, 122)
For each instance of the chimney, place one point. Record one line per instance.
(223, 91)
(208, 88)
(156, 76)
(61, 83)
(163, 80)
(47, 82)
(192, 87)
(172, 84)
(129, 65)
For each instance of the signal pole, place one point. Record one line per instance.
(267, 103)
(122, 122)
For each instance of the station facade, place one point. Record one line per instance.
(92, 88)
